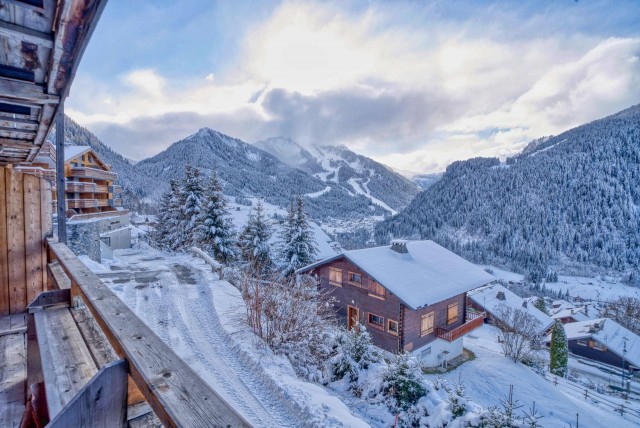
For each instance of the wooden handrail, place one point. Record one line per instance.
(177, 395)
(451, 335)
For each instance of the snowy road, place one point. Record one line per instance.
(172, 297)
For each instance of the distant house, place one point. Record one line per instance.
(410, 295)
(491, 297)
(570, 315)
(604, 340)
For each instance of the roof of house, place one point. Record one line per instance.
(609, 333)
(71, 152)
(425, 274)
(487, 297)
(576, 314)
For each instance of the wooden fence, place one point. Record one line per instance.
(25, 222)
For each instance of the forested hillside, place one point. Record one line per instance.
(567, 201)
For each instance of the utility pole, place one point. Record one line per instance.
(624, 354)
(60, 179)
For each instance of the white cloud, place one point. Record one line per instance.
(415, 98)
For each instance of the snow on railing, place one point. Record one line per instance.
(215, 266)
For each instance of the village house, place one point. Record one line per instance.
(605, 341)
(491, 298)
(410, 295)
(570, 315)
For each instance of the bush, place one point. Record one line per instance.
(401, 383)
(354, 352)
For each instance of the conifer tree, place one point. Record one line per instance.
(192, 193)
(558, 351)
(297, 246)
(173, 236)
(215, 229)
(254, 241)
(158, 236)
(541, 305)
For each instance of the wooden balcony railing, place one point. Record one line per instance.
(177, 395)
(80, 187)
(472, 323)
(102, 189)
(94, 173)
(82, 203)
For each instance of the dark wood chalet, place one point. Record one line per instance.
(411, 296)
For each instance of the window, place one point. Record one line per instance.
(426, 352)
(392, 327)
(426, 324)
(598, 346)
(355, 278)
(376, 290)
(452, 313)
(582, 343)
(376, 321)
(335, 276)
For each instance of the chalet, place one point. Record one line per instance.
(492, 297)
(605, 341)
(410, 295)
(570, 315)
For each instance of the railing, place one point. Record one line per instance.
(471, 324)
(177, 395)
(102, 189)
(81, 203)
(115, 189)
(102, 202)
(78, 186)
(95, 173)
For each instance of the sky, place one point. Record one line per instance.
(413, 84)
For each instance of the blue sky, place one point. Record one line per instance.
(414, 84)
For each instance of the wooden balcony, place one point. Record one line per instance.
(115, 189)
(82, 203)
(80, 187)
(96, 174)
(102, 188)
(473, 321)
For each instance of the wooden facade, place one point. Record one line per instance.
(25, 221)
(365, 300)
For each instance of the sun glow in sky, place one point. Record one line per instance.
(413, 84)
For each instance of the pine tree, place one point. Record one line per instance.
(297, 246)
(541, 305)
(559, 350)
(215, 229)
(193, 197)
(158, 236)
(254, 241)
(173, 235)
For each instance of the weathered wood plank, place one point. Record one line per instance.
(50, 298)
(4, 266)
(32, 236)
(58, 279)
(178, 396)
(13, 376)
(16, 247)
(46, 225)
(100, 403)
(67, 365)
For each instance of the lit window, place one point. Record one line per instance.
(376, 290)
(335, 276)
(582, 343)
(426, 324)
(376, 321)
(452, 313)
(392, 327)
(598, 346)
(355, 278)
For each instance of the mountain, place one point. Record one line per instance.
(339, 166)
(568, 202)
(424, 181)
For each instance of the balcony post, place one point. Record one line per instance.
(60, 179)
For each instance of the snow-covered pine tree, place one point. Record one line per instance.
(254, 241)
(558, 351)
(216, 234)
(158, 236)
(193, 196)
(297, 245)
(173, 234)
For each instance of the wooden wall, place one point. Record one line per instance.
(25, 222)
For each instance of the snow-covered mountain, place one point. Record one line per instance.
(337, 165)
(567, 202)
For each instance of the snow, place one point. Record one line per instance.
(426, 274)
(609, 333)
(360, 188)
(487, 297)
(318, 194)
(576, 314)
(488, 377)
(71, 152)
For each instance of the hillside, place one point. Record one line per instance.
(568, 202)
(337, 165)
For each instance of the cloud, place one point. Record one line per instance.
(416, 92)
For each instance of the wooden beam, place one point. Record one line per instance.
(26, 91)
(38, 37)
(5, 118)
(18, 130)
(4, 263)
(36, 5)
(60, 178)
(178, 395)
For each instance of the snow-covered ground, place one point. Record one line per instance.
(488, 377)
(180, 299)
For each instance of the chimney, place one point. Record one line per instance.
(524, 304)
(501, 296)
(399, 246)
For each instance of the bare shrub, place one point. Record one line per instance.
(625, 311)
(519, 331)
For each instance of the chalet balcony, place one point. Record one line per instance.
(79, 187)
(474, 320)
(115, 202)
(102, 189)
(83, 203)
(115, 189)
(96, 174)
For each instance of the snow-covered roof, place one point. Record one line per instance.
(426, 274)
(609, 333)
(576, 314)
(71, 152)
(488, 298)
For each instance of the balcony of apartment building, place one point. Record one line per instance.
(473, 321)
